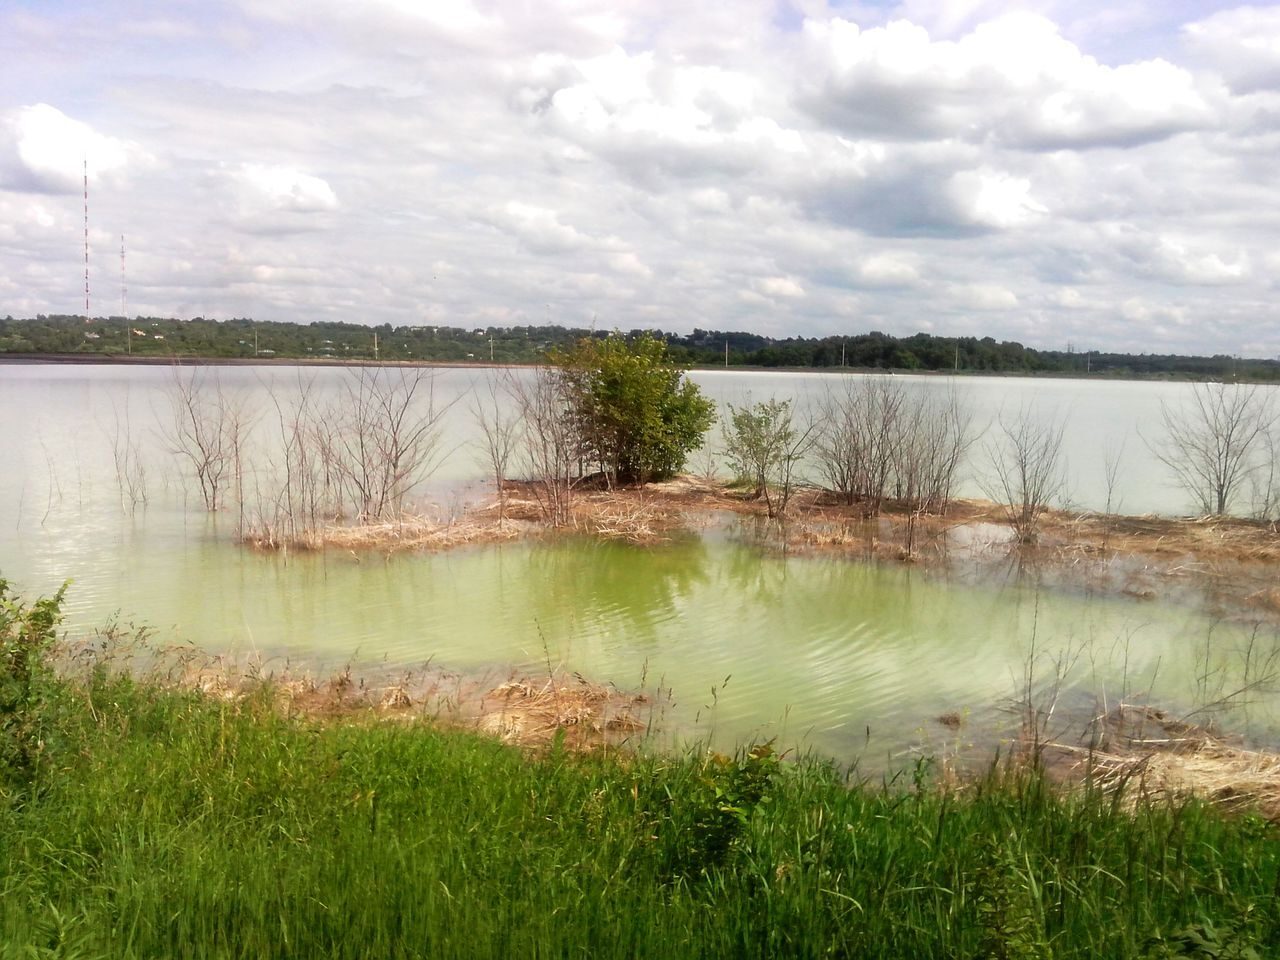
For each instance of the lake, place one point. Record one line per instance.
(849, 658)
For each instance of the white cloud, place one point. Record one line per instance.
(889, 271)
(711, 200)
(538, 228)
(984, 296)
(49, 152)
(1068, 297)
(629, 263)
(1178, 260)
(780, 287)
(268, 188)
(387, 21)
(1242, 44)
(1158, 315)
(1014, 78)
(995, 199)
(1092, 169)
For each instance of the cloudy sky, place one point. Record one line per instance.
(1105, 174)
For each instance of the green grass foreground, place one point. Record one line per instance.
(140, 821)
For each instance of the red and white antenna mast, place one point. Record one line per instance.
(86, 241)
(124, 302)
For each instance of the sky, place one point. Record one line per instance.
(1099, 175)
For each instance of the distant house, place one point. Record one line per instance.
(157, 336)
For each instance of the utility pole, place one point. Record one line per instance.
(842, 346)
(491, 349)
(375, 345)
(726, 354)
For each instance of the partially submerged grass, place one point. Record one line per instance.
(609, 515)
(1143, 755)
(410, 532)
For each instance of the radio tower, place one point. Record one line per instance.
(86, 240)
(124, 301)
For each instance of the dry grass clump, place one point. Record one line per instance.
(418, 533)
(629, 514)
(302, 694)
(1144, 755)
(406, 533)
(1206, 538)
(634, 519)
(584, 714)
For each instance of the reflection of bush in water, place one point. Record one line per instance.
(588, 579)
(822, 591)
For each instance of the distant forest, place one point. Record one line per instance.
(155, 337)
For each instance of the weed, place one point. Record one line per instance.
(700, 824)
(26, 634)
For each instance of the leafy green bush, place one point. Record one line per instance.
(764, 447)
(635, 412)
(26, 681)
(698, 826)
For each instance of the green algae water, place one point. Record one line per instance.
(733, 641)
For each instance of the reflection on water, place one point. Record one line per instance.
(751, 642)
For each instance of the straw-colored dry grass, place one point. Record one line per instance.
(583, 714)
(1208, 539)
(643, 514)
(1144, 755)
(410, 532)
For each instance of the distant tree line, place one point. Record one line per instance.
(246, 338)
